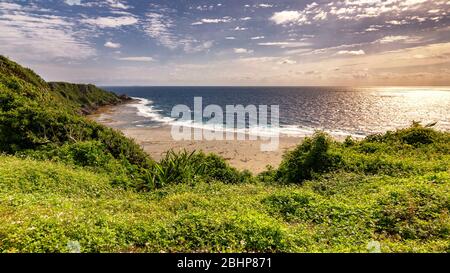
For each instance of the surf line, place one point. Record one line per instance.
(190, 125)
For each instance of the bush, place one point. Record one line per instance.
(312, 156)
(185, 167)
(290, 206)
(250, 233)
(415, 135)
(418, 135)
(415, 213)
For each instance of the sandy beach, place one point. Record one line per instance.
(242, 154)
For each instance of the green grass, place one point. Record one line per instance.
(83, 96)
(46, 205)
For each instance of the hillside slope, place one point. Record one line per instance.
(43, 121)
(86, 97)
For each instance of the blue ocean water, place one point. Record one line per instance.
(337, 110)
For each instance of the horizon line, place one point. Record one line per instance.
(353, 86)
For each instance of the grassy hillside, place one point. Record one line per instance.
(69, 184)
(45, 122)
(86, 97)
(47, 207)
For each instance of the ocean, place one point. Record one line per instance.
(337, 110)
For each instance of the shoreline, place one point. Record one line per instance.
(156, 141)
(241, 154)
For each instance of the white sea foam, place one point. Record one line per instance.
(145, 108)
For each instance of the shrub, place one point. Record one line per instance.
(290, 205)
(415, 213)
(312, 156)
(268, 176)
(349, 141)
(248, 232)
(415, 135)
(418, 135)
(185, 167)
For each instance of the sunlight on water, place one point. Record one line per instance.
(338, 110)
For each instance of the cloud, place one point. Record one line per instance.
(274, 44)
(322, 15)
(238, 28)
(265, 5)
(26, 35)
(111, 22)
(286, 44)
(5, 6)
(162, 28)
(397, 22)
(110, 44)
(287, 61)
(257, 37)
(137, 59)
(351, 52)
(230, 38)
(159, 27)
(289, 16)
(392, 11)
(242, 51)
(257, 60)
(72, 2)
(193, 46)
(117, 4)
(400, 38)
(213, 21)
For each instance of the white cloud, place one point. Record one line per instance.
(351, 52)
(265, 5)
(289, 16)
(354, 10)
(287, 61)
(161, 27)
(111, 22)
(257, 37)
(193, 46)
(242, 51)
(397, 22)
(400, 38)
(245, 18)
(72, 2)
(29, 36)
(408, 3)
(117, 4)
(212, 21)
(257, 60)
(230, 38)
(238, 28)
(137, 59)
(110, 44)
(158, 27)
(274, 44)
(322, 15)
(286, 44)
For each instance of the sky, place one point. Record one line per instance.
(230, 42)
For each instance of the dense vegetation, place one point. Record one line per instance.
(86, 97)
(69, 184)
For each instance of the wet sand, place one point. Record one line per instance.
(242, 154)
